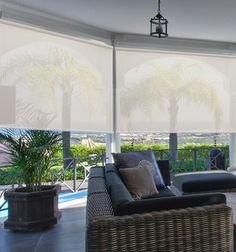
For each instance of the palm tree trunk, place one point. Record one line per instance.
(66, 123)
(66, 148)
(173, 146)
(173, 137)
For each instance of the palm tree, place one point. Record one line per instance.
(48, 67)
(170, 81)
(31, 151)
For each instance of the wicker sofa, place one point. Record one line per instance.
(166, 224)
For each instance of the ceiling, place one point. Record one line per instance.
(193, 19)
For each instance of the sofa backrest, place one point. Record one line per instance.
(116, 188)
(186, 229)
(98, 200)
(118, 191)
(164, 167)
(123, 202)
(167, 203)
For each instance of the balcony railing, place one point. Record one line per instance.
(73, 176)
(67, 176)
(75, 173)
(195, 159)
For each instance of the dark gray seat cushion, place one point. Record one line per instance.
(119, 196)
(118, 192)
(204, 181)
(110, 167)
(164, 167)
(167, 203)
(164, 192)
(96, 172)
(112, 178)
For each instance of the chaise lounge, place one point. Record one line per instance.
(165, 223)
(204, 181)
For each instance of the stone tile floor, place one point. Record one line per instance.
(67, 236)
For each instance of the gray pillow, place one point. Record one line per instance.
(132, 159)
(139, 180)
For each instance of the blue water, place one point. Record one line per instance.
(63, 197)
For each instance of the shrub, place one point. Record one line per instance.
(185, 162)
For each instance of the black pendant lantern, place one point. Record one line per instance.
(158, 24)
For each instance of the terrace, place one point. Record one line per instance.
(69, 234)
(80, 66)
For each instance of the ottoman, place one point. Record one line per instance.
(196, 182)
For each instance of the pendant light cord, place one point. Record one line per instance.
(159, 6)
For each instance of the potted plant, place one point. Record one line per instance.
(34, 205)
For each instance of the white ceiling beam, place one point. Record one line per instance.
(174, 44)
(25, 15)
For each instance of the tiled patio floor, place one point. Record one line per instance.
(67, 236)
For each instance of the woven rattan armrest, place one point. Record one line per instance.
(203, 229)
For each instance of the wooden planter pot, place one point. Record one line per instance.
(30, 211)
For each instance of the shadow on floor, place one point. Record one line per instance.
(67, 236)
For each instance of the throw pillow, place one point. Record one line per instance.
(132, 159)
(139, 180)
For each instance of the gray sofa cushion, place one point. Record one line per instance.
(132, 159)
(167, 203)
(164, 167)
(162, 164)
(118, 192)
(204, 181)
(112, 178)
(119, 196)
(110, 167)
(164, 192)
(139, 180)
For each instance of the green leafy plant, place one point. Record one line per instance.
(31, 152)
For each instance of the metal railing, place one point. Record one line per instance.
(75, 174)
(68, 175)
(194, 159)
(13, 178)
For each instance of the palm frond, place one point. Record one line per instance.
(31, 151)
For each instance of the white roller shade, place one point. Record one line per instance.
(56, 82)
(175, 92)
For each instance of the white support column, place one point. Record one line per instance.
(113, 139)
(232, 150)
(116, 142)
(112, 145)
(232, 141)
(108, 148)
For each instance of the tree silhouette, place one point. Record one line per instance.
(41, 69)
(170, 81)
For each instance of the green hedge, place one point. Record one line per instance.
(10, 175)
(184, 163)
(82, 152)
(186, 155)
(185, 152)
(68, 175)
